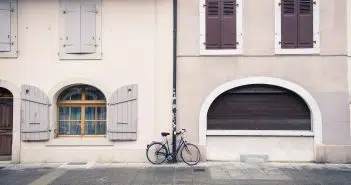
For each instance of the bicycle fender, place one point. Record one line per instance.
(153, 142)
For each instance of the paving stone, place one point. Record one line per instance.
(210, 174)
(21, 175)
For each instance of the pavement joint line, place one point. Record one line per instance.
(49, 177)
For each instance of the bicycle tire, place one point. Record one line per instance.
(187, 148)
(158, 147)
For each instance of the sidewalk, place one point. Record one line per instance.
(204, 173)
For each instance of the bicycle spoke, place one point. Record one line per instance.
(190, 154)
(156, 153)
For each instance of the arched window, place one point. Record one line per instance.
(82, 111)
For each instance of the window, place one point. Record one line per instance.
(220, 27)
(297, 27)
(8, 30)
(80, 29)
(82, 111)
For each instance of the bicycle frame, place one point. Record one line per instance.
(173, 155)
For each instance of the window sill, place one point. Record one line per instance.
(220, 52)
(91, 56)
(283, 133)
(79, 141)
(299, 51)
(10, 54)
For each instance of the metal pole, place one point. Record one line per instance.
(174, 94)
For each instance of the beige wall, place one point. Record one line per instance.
(324, 75)
(137, 48)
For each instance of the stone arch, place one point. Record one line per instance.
(316, 115)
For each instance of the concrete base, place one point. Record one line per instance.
(5, 158)
(249, 148)
(333, 154)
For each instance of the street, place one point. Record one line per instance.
(209, 173)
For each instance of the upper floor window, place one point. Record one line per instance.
(220, 29)
(8, 29)
(82, 111)
(297, 26)
(80, 29)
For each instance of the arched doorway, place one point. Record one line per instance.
(6, 124)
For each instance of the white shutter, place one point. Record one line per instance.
(34, 114)
(72, 26)
(5, 28)
(123, 116)
(88, 28)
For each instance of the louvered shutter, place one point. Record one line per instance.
(34, 114)
(213, 24)
(123, 114)
(5, 29)
(305, 24)
(289, 23)
(88, 28)
(72, 18)
(228, 24)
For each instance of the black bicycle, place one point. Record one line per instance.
(158, 152)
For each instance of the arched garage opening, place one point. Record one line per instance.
(256, 125)
(259, 107)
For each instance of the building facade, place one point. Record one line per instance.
(92, 80)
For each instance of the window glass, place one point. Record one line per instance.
(82, 111)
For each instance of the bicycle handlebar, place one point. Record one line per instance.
(180, 132)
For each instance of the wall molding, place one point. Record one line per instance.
(316, 115)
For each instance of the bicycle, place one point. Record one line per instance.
(162, 151)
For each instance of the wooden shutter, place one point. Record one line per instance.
(289, 23)
(259, 107)
(88, 28)
(228, 24)
(213, 24)
(6, 120)
(35, 114)
(72, 26)
(305, 26)
(5, 22)
(123, 114)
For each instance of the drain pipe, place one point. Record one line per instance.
(174, 93)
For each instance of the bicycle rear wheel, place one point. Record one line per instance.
(156, 153)
(190, 154)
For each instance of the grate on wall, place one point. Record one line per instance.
(77, 163)
(199, 170)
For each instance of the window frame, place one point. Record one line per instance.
(239, 36)
(83, 103)
(81, 56)
(14, 32)
(298, 51)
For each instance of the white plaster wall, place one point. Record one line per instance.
(230, 148)
(137, 49)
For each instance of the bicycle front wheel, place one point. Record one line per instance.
(156, 153)
(190, 154)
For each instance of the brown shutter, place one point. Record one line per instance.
(228, 25)
(213, 24)
(305, 26)
(289, 23)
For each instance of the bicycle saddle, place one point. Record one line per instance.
(164, 134)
